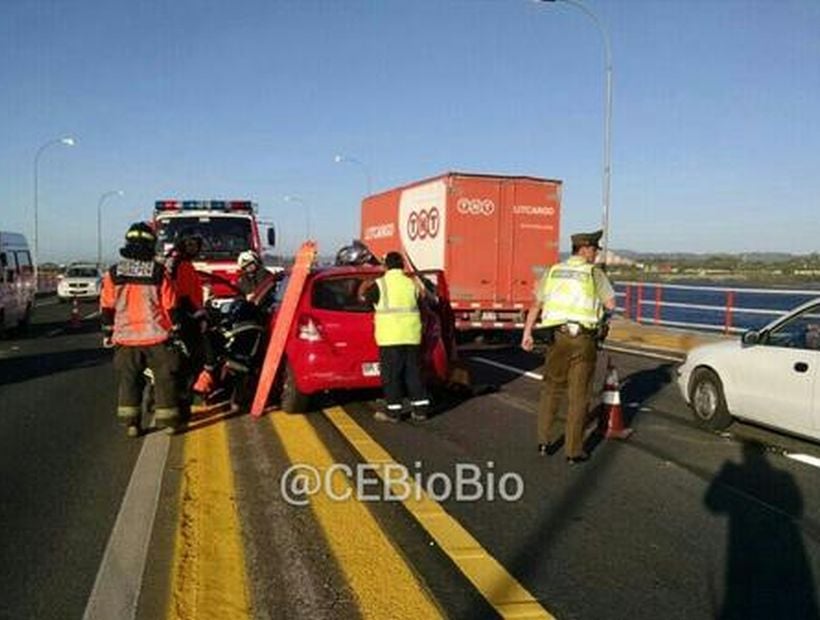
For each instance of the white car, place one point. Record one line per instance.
(770, 376)
(80, 282)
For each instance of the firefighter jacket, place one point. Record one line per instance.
(188, 287)
(137, 303)
(397, 319)
(570, 295)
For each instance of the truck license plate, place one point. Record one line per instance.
(371, 369)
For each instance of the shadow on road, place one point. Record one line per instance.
(643, 385)
(26, 367)
(767, 570)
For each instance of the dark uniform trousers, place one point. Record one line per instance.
(399, 370)
(568, 372)
(130, 361)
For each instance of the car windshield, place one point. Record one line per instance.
(801, 331)
(82, 272)
(341, 294)
(222, 237)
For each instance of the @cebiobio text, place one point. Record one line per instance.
(394, 482)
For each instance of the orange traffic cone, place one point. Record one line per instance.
(75, 315)
(611, 399)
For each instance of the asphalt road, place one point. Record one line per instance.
(64, 464)
(674, 522)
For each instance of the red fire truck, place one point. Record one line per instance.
(226, 227)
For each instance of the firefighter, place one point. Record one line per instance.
(138, 311)
(398, 333)
(571, 298)
(191, 308)
(253, 274)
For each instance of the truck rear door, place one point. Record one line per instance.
(473, 240)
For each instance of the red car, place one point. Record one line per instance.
(332, 346)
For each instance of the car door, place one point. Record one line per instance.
(775, 381)
(11, 288)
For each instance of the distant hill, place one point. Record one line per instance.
(764, 257)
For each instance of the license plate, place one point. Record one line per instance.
(371, 369)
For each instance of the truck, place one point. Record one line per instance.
(226, 227)
(492, 235)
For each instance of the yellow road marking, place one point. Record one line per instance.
(208, 579)
(509, 598)
(383, 583)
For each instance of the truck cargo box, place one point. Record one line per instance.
(492, 235)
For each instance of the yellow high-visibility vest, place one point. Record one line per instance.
(397, 318)
(569, 294)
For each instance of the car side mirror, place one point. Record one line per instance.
(271, 236)
(750, 338)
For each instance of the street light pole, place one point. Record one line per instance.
(305, 205)
(68, 141)
(607, 167)
(113, 192)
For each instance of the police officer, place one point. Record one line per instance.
(138, 311)
(571, 298)
(398, 329)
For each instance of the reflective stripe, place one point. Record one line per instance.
(420, 403)
(569, 295)
(397, 320)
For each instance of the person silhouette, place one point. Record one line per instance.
(767, 571)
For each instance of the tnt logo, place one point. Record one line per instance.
(423, 223)
(475, 206)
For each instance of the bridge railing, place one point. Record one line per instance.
(714, 308)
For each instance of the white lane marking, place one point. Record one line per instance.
(54, 332)
(518, 371)
(658, 356)
(119, 579)
(91, 315)
(803, 458)
(50, 302)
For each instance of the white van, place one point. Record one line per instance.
(17, 285)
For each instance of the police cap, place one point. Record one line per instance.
(580, 240)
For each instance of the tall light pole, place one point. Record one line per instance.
(339, 158)
(68, 141)
(607, 116)
(113, 192)
(306, 206)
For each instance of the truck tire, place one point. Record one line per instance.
(293, 401)
(25, 321)
(707, 400)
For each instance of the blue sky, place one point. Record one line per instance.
(716, 134)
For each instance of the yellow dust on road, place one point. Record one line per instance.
(208, 577)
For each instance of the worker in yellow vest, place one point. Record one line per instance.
(398, 333)
(571, 298)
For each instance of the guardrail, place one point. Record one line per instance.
(713, 308)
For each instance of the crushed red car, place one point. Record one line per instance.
(331, 344)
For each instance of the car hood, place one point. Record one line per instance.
(80, 280)
(713, 351)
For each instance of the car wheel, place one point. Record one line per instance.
(293, 401)
(707, 400)
(24, 323)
